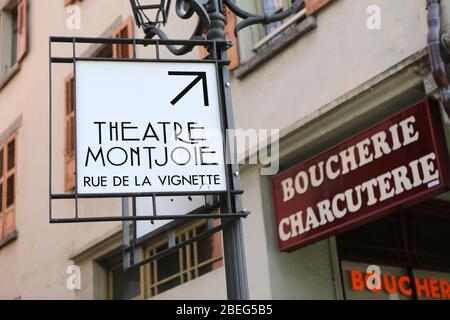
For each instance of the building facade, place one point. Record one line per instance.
(322, 78)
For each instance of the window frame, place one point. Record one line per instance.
(405, 221)
(260, 7)
(184, 272)
(435, 208)
(14, 19)
(257, 47)
(69, 133)
(149, 288)
(5, 210)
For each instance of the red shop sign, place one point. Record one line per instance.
(396, 163)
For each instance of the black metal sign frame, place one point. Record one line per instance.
(218, 204)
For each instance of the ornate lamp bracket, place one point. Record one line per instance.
(211, 19)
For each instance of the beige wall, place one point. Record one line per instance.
(295, 92)
(210, 286)
(34, 266)
(326, 63)
(332, 59)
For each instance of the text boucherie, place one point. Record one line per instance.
(374, 190)
(403, 284)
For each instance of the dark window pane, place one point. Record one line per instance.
(1, 162)
(11, 154)
(14, 36)
(205, 249)
(269, 8)
(105, 52)
(168, 266)
(169, 285)
(377, 241)
(126, 284)
(201, 229)
(430, 236)
(205, 269)
(10, 191)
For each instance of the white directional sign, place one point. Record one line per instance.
(148, 127)
(180, 205)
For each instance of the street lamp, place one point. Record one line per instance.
(211, 20)
(211, 25)
(140, 12)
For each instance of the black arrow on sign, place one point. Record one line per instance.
(200, 76)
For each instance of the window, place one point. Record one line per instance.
(69, 150)
(408, 245)
(188, 263)
(258, 43)
(429, 232)
(273, 32)
(13, 35)
(124, 31)
(365, 244)
(185, 264)
(269, 7)
(8, 160)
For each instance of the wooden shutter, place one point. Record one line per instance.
(125, 31)
(312, 6)
(233, 53)
(69, 153)
(22, 29)
(2, 188)
(202, 51)
(8, 160)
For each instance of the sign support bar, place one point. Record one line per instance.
(233, 243)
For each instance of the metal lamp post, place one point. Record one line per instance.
(151, 17)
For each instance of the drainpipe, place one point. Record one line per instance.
(437, 63)
(445, 22)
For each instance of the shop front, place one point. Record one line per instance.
(382, 195)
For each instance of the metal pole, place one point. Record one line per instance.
(233, 239)
(126, 257)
